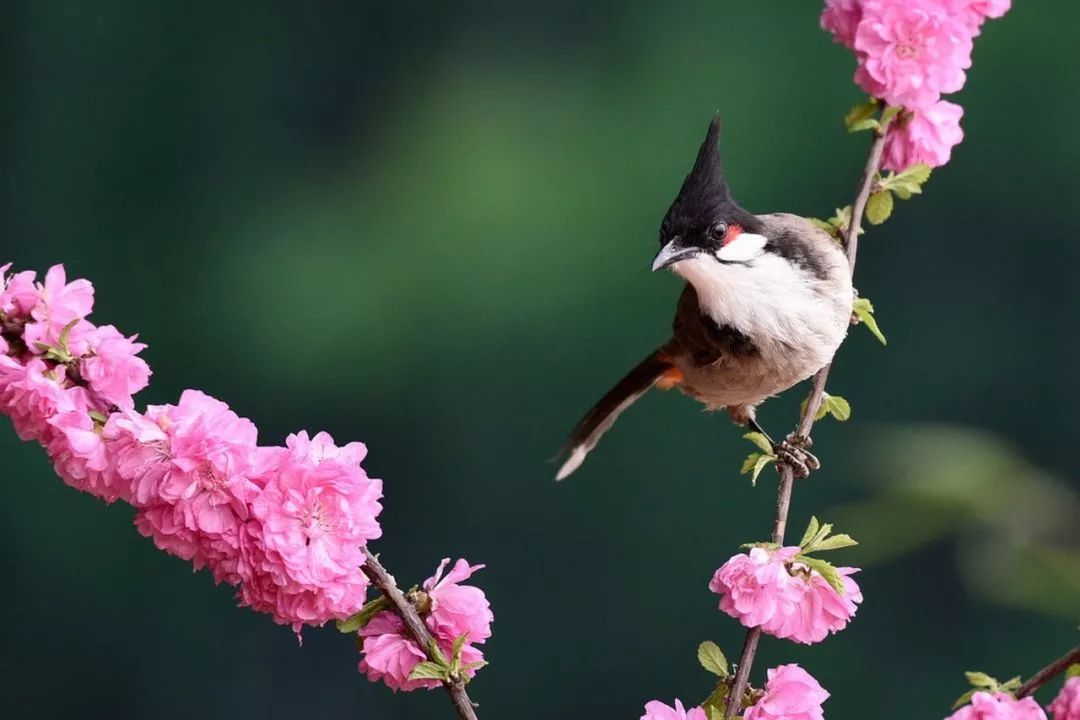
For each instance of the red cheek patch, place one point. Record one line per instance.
(733, 232)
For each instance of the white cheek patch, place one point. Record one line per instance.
(746, 246)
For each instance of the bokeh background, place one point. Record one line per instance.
(428, 226)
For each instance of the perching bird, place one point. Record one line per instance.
(768, 301)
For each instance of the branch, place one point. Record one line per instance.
(813, 403)
(386, 584)
(1047, 673)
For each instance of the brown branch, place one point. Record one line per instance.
(1047, 673)
(813, 403)
(386, 584)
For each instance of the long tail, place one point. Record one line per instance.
(599, 420)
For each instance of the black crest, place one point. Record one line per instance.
(704, 197)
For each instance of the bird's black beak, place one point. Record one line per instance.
(672, 253)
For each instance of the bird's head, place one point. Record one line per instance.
(705, 220)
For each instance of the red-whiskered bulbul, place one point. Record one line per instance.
(767, 302)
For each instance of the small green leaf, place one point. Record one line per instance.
(436, 654)
(826, 570)
(459, 643)
(715, 713)
(879, 207)
(1073, 671)
(821, 411)
(889, 113)
(811, 531)
(864, 124)
(835, 542)
(760, 440)
(761, 464)
(980, 680)
(65, 333)
(99, 417)
(963, 699)
(1011, 685)
(363, 617)
(428, 671)
(859, 115)
(865, 312)
(754, 464)
(712, 659)
(837, 406)
(825, 225)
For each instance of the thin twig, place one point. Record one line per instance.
(813, 403)
(1047, 673)
(386, 584)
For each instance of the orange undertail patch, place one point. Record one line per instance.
(670, 378)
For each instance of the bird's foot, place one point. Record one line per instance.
(794, 452)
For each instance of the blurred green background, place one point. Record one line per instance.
(428, 226)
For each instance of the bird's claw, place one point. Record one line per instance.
(793, 451)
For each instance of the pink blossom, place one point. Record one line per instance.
(322, 447)
(927, 137)
(791, 693)
(911, 51)
(785, 598)
(18, 293)
(59, 305)
(997, 706)
(458, 609)
(80, 455)
(316, 518)
(973, 13)
(1066, 705)
(657, 710)
(31, 395)
(112, 369)
(841, 18)
(390, 654)
(191, 469)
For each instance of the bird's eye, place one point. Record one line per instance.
(718, 231)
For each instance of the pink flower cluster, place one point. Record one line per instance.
(790, 693)
(453, 611)
(285, 525)
(657, 710)
(771, 590)
(1066, 705)
(910, 53)
(998, 706)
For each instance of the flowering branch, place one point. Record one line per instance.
(404, 606)
(817, 393)
(1049, 672)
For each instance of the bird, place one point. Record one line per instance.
(767, 302)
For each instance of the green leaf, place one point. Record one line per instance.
(980, 680)
(837, 406)
(907, 183)
(836, 542)
(826, 570)
(858, 117)
(825, 225)
(760, 440)
(712, 659)
(762, 462)
(65, 334)
(821, 411)
(879, 207)
(428, 671)
(363, 617)
(459, 643)
(864, 124)
(99, 417)
(889, 113)
(963, 699)
(436, 654)
(811, 531)
(715, 713)
(1073, 671)
(1011, 685)
(865, 312)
